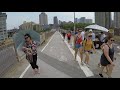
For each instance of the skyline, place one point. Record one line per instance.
(15, 19)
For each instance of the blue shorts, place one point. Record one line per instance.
(78, 46)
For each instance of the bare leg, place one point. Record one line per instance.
(81, 54)
(76, 50)
(87, 58)
(101, 70)
(110, 70)
(99, 64)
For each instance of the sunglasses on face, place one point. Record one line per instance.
(26, 38)
(112, 40)
(89, 36)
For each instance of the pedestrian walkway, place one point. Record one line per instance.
(56, 60)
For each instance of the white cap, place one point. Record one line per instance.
(90, 30)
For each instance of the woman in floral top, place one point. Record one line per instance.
(30, 49)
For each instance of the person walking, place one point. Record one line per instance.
(69, 37)
(78, 45)
(64, 34)
(102, 38)
(30, 49)
(88, 45)
(83, 34)
(107, 58)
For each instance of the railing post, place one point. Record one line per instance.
(16, 52)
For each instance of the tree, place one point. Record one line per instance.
(70, 26)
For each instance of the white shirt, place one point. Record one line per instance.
(83, 35)
(102, 37)
(93, 36)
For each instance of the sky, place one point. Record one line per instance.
(15, 19)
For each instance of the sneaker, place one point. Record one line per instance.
(100, 75)
(82, 63)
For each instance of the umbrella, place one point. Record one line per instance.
(97, 27)
(19, 41)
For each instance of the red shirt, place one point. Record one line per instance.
(68, 35)
(78, 40)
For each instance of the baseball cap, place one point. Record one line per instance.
(90, 30)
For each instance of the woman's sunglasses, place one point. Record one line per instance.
(112, 40)
(26, 38)
(89, 36)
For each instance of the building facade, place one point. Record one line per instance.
(11, 32)
(27, 26)
(3, 26)
(60, 22)
(37, 27)
(82, 20)
(30, 26)
(100, 18)
(76, 20)
(43, 19)
(89, 21)
(55, 20)
(108, 20)
(103, 19)
(117, 19)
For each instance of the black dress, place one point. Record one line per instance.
(103, 60)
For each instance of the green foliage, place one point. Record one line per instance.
(70, 26)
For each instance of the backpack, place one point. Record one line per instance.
(86, 42)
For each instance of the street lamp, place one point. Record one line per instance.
(74, 22)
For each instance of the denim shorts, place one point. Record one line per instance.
(78, 46)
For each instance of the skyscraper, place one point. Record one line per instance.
(89, 21)
(100, 18)
(82, 20)
(3, 28)
(55, 21)
(103, 19)
(76, 20)
(43, 19)
(60, 22)
(108, 20)
(117, 19)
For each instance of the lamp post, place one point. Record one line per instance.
(74, 22)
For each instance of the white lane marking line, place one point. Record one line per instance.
(47, 43)
(85, 69)
(21, 76)
(24, 71)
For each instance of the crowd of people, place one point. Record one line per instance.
(86, 42)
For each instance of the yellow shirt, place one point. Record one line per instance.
(87, 44)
